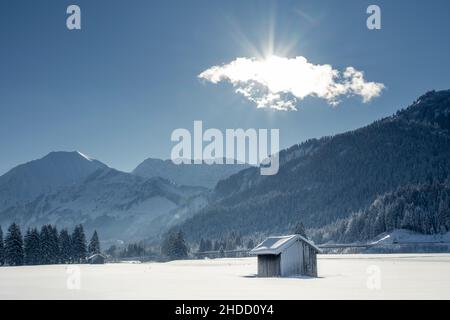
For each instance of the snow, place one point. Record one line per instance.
(408, 236)
(272, 245)
(399, 276)
(275, 245)
(84, 156)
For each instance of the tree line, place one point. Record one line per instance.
(423, 208)
(235, 241)
(172, 247)
(46, 246)
(131, 250)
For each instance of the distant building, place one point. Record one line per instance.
(97, 259)
(285, 256)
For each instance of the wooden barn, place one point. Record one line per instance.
(96, 259)
(285, 256)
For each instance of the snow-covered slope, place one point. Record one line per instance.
(203, 175)
(68, 188)
(55, 170)
(403, 236)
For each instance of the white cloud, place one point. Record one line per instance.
(279, 83)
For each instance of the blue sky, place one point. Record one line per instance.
(116, 89)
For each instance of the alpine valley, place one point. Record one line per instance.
(391, 174)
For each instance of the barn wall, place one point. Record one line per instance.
(291, 260)
(309, 267)
(269, 265)
(299, 259)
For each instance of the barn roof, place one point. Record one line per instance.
(275, 245)
(96, 255)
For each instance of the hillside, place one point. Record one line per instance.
(321, 181)
(423, 208)
(55, 170)
(119, 205)
(202, 175)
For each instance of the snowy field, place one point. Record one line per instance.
(399, 276)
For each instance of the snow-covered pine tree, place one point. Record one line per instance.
(238, 240)
(79, 251)
(174, 246)
(443, 208)
(300, 229)
(36, 255)
(201, 246)
(94, 244)
(14, 246)
(65, 247)
(250, 244)
(208, 245)
(32, 247)
(2, 248)
(181, 249)
(44, 238)
(54, 245)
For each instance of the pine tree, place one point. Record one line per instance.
(2, 248)
(14, 246)
(181, 249)
(65, 247)
(174, 246)
(300, 229)
(201, 246)
(238, 240)
(208, 245)
(32, 247)
(442, 215)
(221, 252)
(45, 243)
(54, 245)
(250, 244)
(94, 244)
(79, 251)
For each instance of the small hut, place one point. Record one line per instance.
(285, 256)
(97, 259)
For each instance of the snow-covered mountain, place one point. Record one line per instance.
(323, 181)
(203, 175)
(57, 169)
(67, 188)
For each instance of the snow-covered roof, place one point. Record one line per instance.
(96, 255)
(275, 245)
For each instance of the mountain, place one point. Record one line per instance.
(422, 208)
(56, 170)
(119, 205)
(323, 180)
(345, 187)
(202, 175)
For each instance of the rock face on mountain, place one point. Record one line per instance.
(202, 175)
(326, 179)
(67, 188)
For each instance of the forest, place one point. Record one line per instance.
(328, 181)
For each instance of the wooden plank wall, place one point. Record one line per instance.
(269, 265)
(299, 259)
(309, 265)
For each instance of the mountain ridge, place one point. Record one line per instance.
(55, 170)
(118, 204)
(203, 175)
(334, 176)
